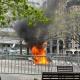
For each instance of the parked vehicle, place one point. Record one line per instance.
(17, 52)
(74, 52)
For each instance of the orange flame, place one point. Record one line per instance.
(39, 54)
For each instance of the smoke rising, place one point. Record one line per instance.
(31, 35)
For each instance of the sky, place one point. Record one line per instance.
(38, 1)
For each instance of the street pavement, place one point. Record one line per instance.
(19, 77)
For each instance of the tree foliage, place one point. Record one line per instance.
(11, 10)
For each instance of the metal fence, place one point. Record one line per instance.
(16, 64)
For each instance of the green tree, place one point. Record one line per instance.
(11, 10)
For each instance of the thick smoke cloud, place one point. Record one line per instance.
(31, 35)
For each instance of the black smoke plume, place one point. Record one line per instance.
(31, 35)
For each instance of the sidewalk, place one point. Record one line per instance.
(19, 77)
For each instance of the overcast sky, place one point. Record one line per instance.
(40, 1)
